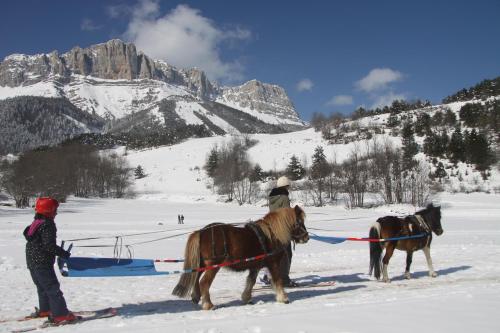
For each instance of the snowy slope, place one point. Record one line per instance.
(118, 98)
(166, 165)
(464, 297)
(43, 89)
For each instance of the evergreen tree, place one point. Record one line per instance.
(456, 148)
(212, 162)
(410, 147)
(295, 170)
(494, 115)
(320, 167)
(480, 152)
(449, 119)
(423, 124)
(440, 172)
(431, 142)
(437, 118)
(470, 139)
(359, 113)
(257, 174)
(471, 114)
(139, 172)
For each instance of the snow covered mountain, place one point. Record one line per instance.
(114, 81)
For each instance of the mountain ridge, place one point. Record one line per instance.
(114, 80)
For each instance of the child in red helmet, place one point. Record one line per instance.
(41, 252)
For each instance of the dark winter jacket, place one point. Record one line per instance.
(278, 198)
(41, 247)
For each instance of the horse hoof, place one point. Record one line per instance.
(287, 302)
(195, 300)
(433, 274)
(207, 306)
(407, 276)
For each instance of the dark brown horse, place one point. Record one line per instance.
(220, 243)
(425, 222)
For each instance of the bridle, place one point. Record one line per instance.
(299, 229)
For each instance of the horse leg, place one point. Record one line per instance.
(409, 257)
(205, 283)
(389, 250)
(246, 296)
(277, 282)
(195, 295)
(427, 252)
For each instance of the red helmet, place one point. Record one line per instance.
(46, 206)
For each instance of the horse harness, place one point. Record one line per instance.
(212, 230)
(422, 225)
(253, 226)
(259, 233)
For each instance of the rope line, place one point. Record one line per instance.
(372, 240)
(223, 264)
(150, 232)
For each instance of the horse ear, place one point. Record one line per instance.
(297, 209)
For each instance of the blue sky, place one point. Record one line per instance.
(328, 55)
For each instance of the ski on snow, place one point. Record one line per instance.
(85, 316)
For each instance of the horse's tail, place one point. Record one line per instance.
(191, 261)
(375, 251)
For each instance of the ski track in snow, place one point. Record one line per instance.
(465, 296)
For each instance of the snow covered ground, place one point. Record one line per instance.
(463, 298)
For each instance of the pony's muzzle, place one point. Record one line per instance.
(303, 239)
(439, 232)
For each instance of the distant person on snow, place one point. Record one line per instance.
(279, 198)
(41, 252)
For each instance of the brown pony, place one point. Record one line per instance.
(219, 243)
(425, 221)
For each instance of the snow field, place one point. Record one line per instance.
(464, 297)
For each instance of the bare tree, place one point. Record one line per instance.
(59, 172)
(354, 176)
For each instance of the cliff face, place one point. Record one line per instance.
(113, 60)
(267, 99)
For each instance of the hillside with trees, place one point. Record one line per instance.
(481, 91)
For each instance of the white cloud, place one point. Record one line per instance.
(378, 79)
(340, 100)
(184, 38)
(89, 25)
(386, 99)
(117, 11)
(305, 85)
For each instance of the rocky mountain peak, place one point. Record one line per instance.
(115, 80)
(262, 97)
(112, 60)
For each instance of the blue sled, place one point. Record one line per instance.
(107, 267)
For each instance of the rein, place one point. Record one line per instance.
(223, 264)
(364, 239)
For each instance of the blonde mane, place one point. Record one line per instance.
(278, 225)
